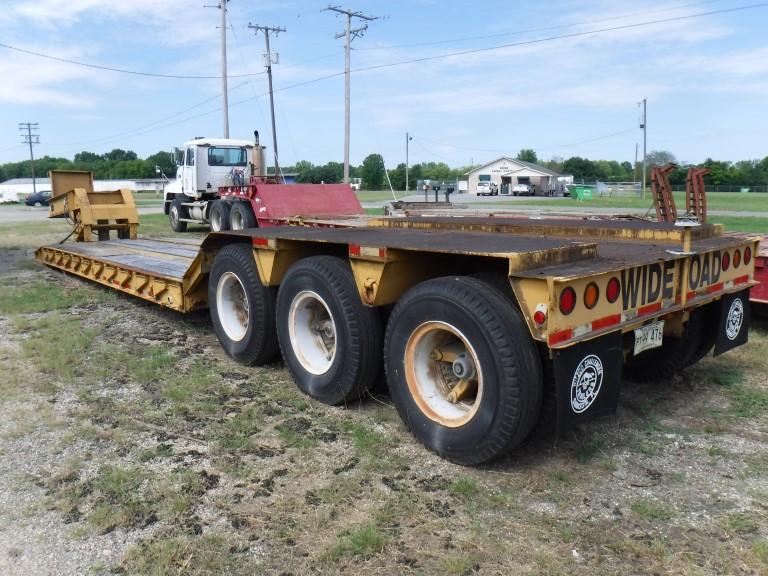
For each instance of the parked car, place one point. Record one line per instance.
(522, 190)
(39, 199)
(486, 188)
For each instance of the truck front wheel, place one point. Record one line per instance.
(176, 213)
(242, 308)
(330, 341)
(462, 370)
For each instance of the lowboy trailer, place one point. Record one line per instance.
(483, 326)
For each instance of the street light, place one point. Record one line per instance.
(407, 139)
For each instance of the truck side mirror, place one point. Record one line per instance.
(177, 156)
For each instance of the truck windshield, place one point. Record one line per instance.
(227, 156)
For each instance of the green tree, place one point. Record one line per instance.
(397, 176)
(165, 161)
(373, 172)
(527, 155)
(120, 155)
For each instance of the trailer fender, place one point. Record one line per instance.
(587, 380)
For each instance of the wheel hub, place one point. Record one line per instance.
(443, 373)
(232, 306)
(312, 332)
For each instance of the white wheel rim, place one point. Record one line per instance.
(216, 221)
(312, 332)
(174, 215)
(232, 306)
(431, 379)
(237, 220)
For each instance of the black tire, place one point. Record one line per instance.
(675, 354)
(219, 216)
(176, 213)
(258, 344)
(241, 216)
(352, 366)
(505, 410)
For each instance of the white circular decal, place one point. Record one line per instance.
(586, 383)
(734, 320)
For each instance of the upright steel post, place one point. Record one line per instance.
(643, 125)
(407, 140)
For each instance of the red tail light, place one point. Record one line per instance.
(539, 317)
(567, 300)
(613, 290)
(736, 258)
(726, 261)
(747, 255)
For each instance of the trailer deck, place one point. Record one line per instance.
(162, 271)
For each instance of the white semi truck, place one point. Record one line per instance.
(205, 167)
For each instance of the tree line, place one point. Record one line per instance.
(125, 164)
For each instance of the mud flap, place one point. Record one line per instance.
(733, 329)
(587, 380)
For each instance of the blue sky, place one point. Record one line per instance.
(706, 78)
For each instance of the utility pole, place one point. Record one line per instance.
(28, 136)
(349, 34)
(268, 65)
(408, 138)
(643, 125)
(222, 5)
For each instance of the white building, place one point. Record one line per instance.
(507, 172)
(16, 189)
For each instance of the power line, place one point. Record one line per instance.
(540, 29)
(268, 64)
(349, 35)
(451, 54)
(29, 136)
(120, 70)
(558, 37)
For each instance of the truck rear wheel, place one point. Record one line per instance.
(462, 370)
(242, 308)
(241, 216)
(176, 213)
(330, 341)
(220, 216)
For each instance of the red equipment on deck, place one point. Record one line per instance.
(274, 203)
(663, 200)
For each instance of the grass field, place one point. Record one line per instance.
(715, 201)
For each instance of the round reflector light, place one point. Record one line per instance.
(591, 295)
(736, 258)
(567, 300)
(613, 290)
(747, 255)
(539, 317)
(726, 261)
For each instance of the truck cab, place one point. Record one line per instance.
(204, 166)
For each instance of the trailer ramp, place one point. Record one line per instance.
(164, 272)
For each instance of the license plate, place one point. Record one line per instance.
(649, 336)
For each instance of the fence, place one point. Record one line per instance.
(634, 188)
